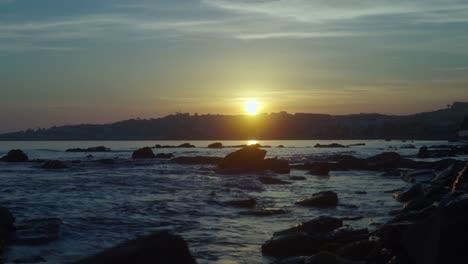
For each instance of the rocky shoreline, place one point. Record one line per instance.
(431, 226)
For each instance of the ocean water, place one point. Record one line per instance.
(100, 205)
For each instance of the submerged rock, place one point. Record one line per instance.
(53, 165)
(164, 156)
(321, 199)
(198, 160)
(143, 153)
(246, 203)
(15, 155)
(92, 149)
(160, 247)
(216, 145)
(271, 180)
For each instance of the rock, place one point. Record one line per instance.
(333, 145)
(358, 250)
(425, 152)
(461, 182)
(15, 155)
(38, 231)
(347, 235)
(186, 145)
(320, 168)
(297, 178)
(247, 203)
(53, 165)
(321, 225)
(198, 160)
(410, 193)
(160, 247)
(271, 180)
(264, 212)
(294, 244)
(247, 159)
(350, 162)
(321, 199)
(216, 145)
(143, 153)
(93, 149)
(418, 176)
(164, 156)
(277, 165)
(448, 175)
(325, 257)
(7, 227)
(384, 160)
(357, 145)
(280, 146)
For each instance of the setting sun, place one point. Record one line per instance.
(252, 107)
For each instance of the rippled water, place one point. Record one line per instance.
(104, 204)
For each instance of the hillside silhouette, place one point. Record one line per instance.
(440, 124)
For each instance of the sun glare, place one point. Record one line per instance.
(252, 107)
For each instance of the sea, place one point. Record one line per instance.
(67, 214)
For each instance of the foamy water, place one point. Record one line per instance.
(104, 204)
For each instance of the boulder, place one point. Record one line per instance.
(15, 155)
(384, 160)
(410, 193)
(143, 153)
(294, 244)
(164, 156)
(321, 225)
(319, 168)
(53, 165)
(201, 160)
(277, 165)
(247, 159)
(216, 145)
(271, 180)
(321, 199)
(333, 145)
(161, 247)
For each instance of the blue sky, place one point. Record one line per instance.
(89, 61)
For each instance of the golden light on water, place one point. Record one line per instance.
(252, 107)
(252, 142)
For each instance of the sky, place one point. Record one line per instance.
(88, 61)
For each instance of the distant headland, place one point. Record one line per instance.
(443, 124)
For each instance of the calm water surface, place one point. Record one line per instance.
(102, 205)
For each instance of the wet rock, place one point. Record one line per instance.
(53, 165)
(297, 178)
(325, 257)
(246, 203)
(410, 193)
(320, 168)
(418, 176)
(347, 234)
(247, 159)
(164, 156)
(38, 231)
(264, 212)
(160, 247)
(294, 244)
(321, 199)
(321, 224)
(201, 160)
(358, 250)
(216, 145)
(92, 149)
(15, 155)
(186, 145)
(277, 165)
(333, 145)
(143, 153)
(461, 182)
(272, 181)
(7, 227)
(384, 160)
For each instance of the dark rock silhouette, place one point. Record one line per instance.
(384, 160)
(264, 212)
(333, 145)
(319, 168)
(216, 145)
(321, 224)
(246, 203)
(164, 156)
(161, 247)
(272, 181)
(92, 149)
(143, 153)
(183, 145)
(15, 155)
(244, 160)
(53, 165)
(7, 227)
(320, 199)
(277, 165)
(202, 160)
